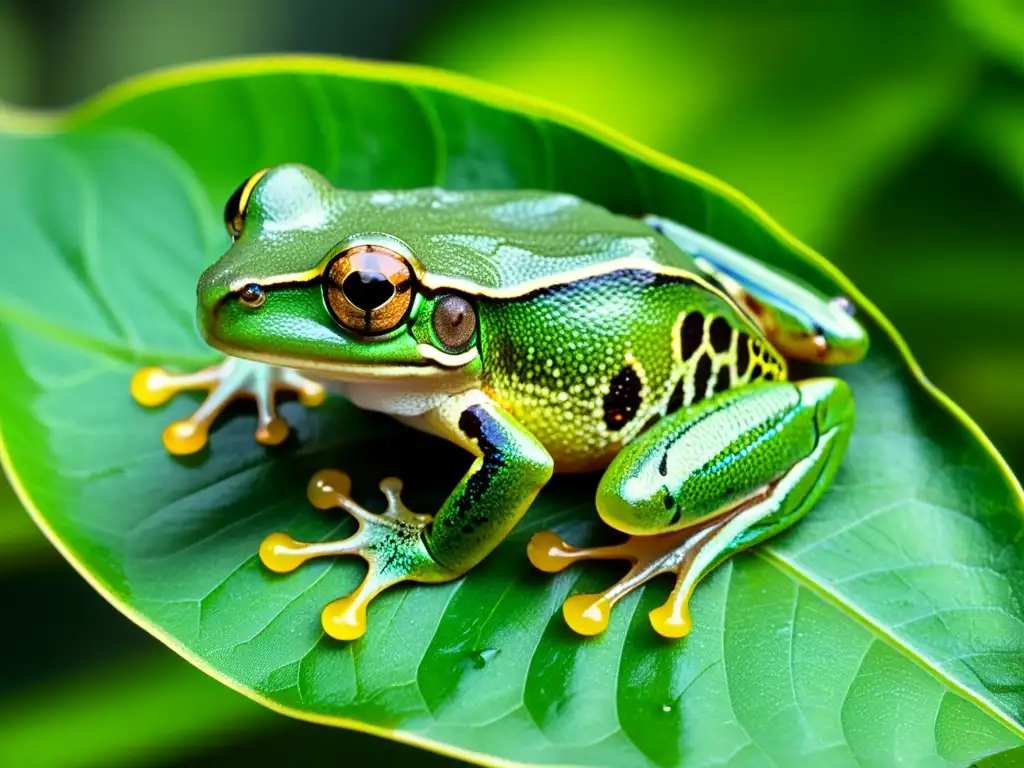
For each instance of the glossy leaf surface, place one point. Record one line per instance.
(888, 626)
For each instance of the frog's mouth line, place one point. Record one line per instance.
(436, 364)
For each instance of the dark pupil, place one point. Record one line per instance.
(368, 290)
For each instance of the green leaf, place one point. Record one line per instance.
(993, 128)
(886, 627)
(997, 24)
(776, 97)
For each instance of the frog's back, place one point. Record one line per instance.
(505, 241)
(584, 332)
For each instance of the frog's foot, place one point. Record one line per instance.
(687, 553)
(233, 378)
(391, 544)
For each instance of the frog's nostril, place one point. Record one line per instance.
(368, 290)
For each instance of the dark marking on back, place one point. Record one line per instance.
(724, 380)
(669, 501)
(721, 334)
(675, 400)
(663, 464)
(742, 354)
(691, 334)
(701, 377)
(756, 372)
(623, 398)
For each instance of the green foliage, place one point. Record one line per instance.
(777, 98)
(887, 627)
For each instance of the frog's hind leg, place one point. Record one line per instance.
(691, 552)
(227, 381)
(800, 321)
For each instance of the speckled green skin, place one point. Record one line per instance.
(598, 342)
(554, 358)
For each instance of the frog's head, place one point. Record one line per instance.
(302, 286)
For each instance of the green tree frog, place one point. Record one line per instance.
(542, 333)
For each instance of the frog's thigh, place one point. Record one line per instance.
(510, 468)
(781, 486)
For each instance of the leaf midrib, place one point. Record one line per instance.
(110, 350)
(789, 567)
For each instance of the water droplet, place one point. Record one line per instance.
(479, 659)
(666, 707)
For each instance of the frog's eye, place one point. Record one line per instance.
(368, 289)
(234, 208)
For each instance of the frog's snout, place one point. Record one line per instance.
(208, 299)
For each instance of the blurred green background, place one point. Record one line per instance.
(889, 136)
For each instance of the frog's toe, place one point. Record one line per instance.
(587, 614)
(283, 554)
(672, 619)
(391, 543)
(311, 393)
(186, 436)
(327, 487)
(230, 380)
(152, 386)
(345, 618)
(548, 552)
(273, 431)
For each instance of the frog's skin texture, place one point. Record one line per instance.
(542, 334)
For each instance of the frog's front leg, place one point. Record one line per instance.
(704, 484)
(510, 468)
(228, 380)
